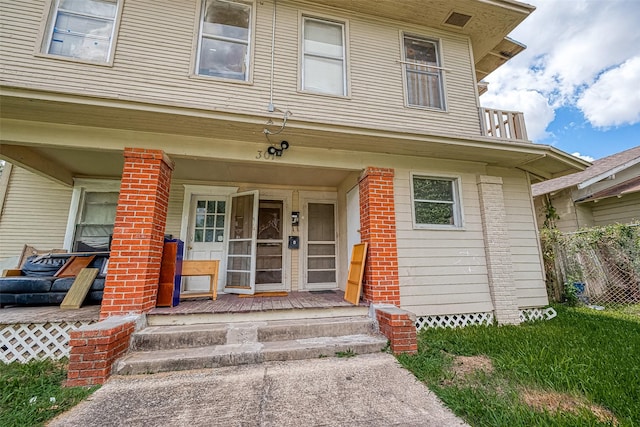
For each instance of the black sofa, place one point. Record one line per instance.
(37, 285)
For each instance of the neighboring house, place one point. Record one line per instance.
(169, 118)
(607, 192)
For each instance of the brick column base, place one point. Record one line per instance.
(94, 349)
(399, 326)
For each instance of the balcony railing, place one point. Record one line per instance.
(503, 124)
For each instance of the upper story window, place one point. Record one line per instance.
(423, 73)
(436, 202)
(323, 57)
(82, 29)
(224, 43)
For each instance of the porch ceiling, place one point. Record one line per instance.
(109, 164)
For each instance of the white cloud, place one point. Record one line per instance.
(573, 46)
(583, 157)
(614, 99)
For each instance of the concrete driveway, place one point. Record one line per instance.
(366, 390)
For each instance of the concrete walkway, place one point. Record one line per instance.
(366, 390)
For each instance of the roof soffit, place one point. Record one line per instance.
(491, 21)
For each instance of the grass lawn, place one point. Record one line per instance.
(581, 368)
(32, 393)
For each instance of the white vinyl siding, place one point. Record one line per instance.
(324, 68)
(623, 210)
(35, 213)
(224, 44)
(441, 271)
(82, 30)
(149, 71)
(523, 237)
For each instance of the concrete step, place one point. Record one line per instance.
(145, 362)
(204, 335)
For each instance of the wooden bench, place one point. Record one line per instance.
(202, 268)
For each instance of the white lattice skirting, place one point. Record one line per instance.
(27, 341)
(462, 320)
(537, 314)
(454, 320)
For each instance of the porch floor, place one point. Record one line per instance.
(46, 314)
(231, 303)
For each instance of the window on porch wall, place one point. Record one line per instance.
(95, 225)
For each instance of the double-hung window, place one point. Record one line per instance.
(423, 73)
(436, 202)
(82, 29)
(95, 222)
(323, 57)
(225, 38)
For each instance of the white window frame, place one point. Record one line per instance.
(249, 43)
(80, 187)
(437, 70)
(343, 58)
(458, 216)
(48, 34)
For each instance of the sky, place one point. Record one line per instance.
(578, 81)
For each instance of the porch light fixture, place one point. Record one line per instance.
(278, 151)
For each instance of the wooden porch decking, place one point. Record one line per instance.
(231, 303)
(225, 304)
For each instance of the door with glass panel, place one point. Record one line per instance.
(320, 246)
(205, 240)
(241, 244)
(270, 246)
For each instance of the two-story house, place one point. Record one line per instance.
(273, 135)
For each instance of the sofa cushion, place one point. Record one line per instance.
(25, 284)
(42, 267)
(7, 299)
(48, 298)
(64, 284)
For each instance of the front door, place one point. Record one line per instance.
(270, 250)
(205, 238)
(241, 245)
(321, 246)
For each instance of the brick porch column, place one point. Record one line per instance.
(136, 249)
(498, 250)
(378, 228)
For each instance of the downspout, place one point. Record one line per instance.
(271, 108)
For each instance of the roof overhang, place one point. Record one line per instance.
(627, 187)
(488, 26)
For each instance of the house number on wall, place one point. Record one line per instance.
(265, 156)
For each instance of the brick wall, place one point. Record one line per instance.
(136, 249)
(399, 326)
(378, 229)
(94, 349)
(498, 250)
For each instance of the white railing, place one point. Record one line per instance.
(503, 124)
